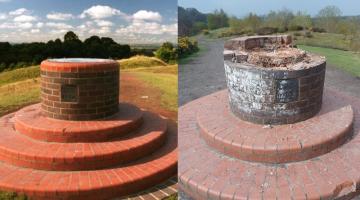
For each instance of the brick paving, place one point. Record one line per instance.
(206, 173)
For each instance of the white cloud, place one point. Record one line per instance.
(40, 24)
(102, 30)
(58, 25)
(147, 15)
(104, 23)
(100, 12)
(25, 25)
(59, 16)
(3, 16)
(59, 31)
(151, 28)
(16, 25)
(24, 18)
(19, 11)
(35, 31)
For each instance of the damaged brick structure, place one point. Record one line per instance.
(275, 133)
(80, 142)
(271, 82)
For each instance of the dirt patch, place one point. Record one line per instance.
(137, 92)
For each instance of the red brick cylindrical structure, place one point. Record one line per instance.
(79, 89)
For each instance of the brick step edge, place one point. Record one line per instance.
(276, 144)
(207, 174)
(30, 122)
(94, 184)
(21, 151)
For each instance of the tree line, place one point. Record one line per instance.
(328, 19)
(27, 54)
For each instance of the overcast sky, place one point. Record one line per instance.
(241, 8)
(130, 21)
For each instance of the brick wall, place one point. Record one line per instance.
(79, 91)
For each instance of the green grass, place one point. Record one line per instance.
(345, 60)
(170, 69)
(167, 84)
(16, 95)
(140, 61)
(19, 75)
(12, 196)
(327, 40)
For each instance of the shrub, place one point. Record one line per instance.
(167, 53)
(297, 34)
(308, 34)
(187, 46)
(318, 29)
(205, 32)
(266, 30)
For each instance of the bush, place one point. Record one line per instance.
(308, 34)
(297, 34)
(167, 53)
(266, 31)
(206, 32)
(318, 30)
(187, 46)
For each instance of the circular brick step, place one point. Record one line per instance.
(30, 122)
(222, 130)
(94, 184)
(19, 150)
(208, 174)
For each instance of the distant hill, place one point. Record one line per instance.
(188, 18)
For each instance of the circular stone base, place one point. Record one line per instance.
(29, 121)
(222, 130)
(204, 173)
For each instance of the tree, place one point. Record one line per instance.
(300, 21)
(167, 52)
(252, 21)
(217, 19)
(328, 18)
(70, 36)
(236, 25)
(279, 20)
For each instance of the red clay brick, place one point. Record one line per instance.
(30, 122)
(330, 175)
(279, 144)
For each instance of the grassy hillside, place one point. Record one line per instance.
(346, 60)
(140, 61)
(19, 75)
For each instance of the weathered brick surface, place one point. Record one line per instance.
(205, 173)
(93, 88)
(268, 95)
(279, 144)
(251, 42)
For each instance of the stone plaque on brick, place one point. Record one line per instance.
(287, 90)
(69, 93)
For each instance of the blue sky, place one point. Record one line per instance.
(241, 8)
(126, 21)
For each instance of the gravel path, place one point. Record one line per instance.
(205, 74)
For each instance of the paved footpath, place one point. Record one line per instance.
(205, 74)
